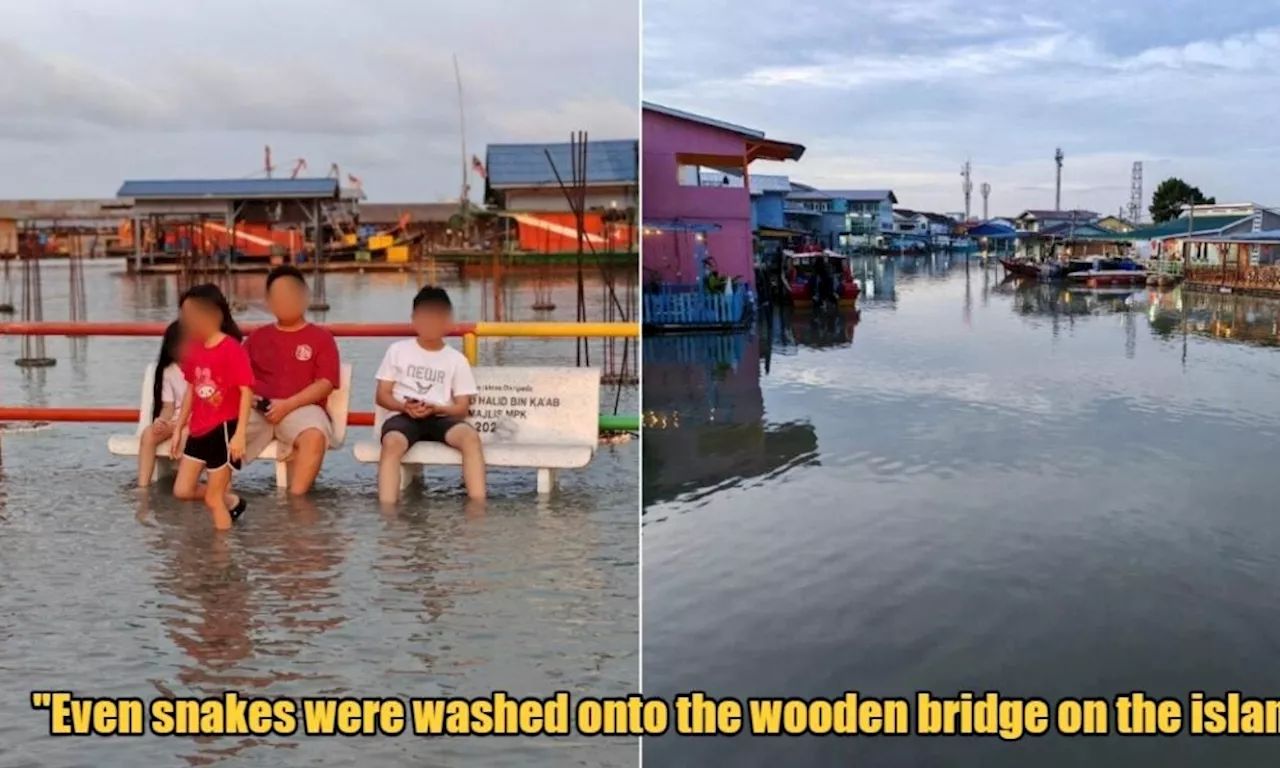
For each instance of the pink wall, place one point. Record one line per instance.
(663, 199)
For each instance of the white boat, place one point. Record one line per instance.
(1110, 272)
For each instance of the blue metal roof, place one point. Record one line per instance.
(861, 195)
(525, 165)
(993, 230)
(1270, 235)
(675, 225)
(229, 189)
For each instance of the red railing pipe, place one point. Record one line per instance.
(349, 330)
(117, 415)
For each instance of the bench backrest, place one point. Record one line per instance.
(338, 404)
(557, 406)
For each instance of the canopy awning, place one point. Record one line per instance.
(1265, 237)
(995, 232)
(779, 233)
(769, 149)
(675, 225)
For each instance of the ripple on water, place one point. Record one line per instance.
(1039, 505)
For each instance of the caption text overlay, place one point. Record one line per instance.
(690, 714)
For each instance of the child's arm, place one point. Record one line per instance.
(242, 378)
(246, 404)
(385, 399)
(388, 372)
(166, 412)
(460, 408)
(184, 415)
(239, 439)
(463, 388)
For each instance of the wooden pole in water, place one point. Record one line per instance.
(33, 348)
(497, 282)
(319, 299)
(7, 307)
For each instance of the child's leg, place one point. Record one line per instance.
(155, 434)
(218, 499)
(466, 440)
(394, 447)
(186, 485)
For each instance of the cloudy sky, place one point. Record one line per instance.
(899, 93)
(96, 91)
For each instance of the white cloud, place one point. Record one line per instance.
(151, 88)
(901, 94)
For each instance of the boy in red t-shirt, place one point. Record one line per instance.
(295, 368)
(215, 408)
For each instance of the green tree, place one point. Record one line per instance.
(1171, 195)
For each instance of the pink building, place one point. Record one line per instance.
(681, 152)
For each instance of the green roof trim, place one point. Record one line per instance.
(1200, 226)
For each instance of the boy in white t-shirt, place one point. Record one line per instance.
(427, 385)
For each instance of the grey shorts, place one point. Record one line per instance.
(261, 432)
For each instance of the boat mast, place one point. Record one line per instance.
(465, 198)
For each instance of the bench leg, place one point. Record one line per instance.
(282, 474)
(547, 480)
(409, 473)
(165, 467)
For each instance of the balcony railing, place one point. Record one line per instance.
(1242, 277)
(689, 306)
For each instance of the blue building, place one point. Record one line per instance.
(768, 202)
(867, 215)
(841, 217)
(808, 210)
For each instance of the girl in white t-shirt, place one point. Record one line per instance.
(167, 391)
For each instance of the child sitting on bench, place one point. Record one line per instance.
(427, 385)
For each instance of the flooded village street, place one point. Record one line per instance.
(979, 486)
(120, 592)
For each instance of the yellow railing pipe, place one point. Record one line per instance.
(559, 330)
(471, 348)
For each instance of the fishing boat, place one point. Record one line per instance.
(1021, 268)
(800, 271)
(1111, 272)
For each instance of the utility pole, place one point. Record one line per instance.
(1135, 194)
(1057, 187)
(967, 186)
(1191, 228)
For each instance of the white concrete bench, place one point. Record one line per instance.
(541, 418)
(338, 405)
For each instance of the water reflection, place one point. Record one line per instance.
(705, 423)
(992, 475)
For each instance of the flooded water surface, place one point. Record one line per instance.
(110, 591)
(977, 487)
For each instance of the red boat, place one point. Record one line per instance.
(1020, 268)
(801, 270)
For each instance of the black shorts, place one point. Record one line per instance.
(213, 448)
(431, 429)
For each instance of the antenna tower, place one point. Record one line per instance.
(985, 189)
(968, 187)
(1057, 187)
(1135, 194)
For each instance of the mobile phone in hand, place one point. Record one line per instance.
(262, 405)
